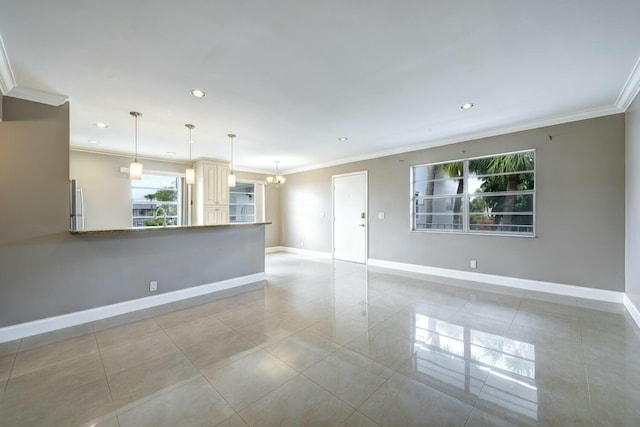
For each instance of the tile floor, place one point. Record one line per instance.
(335, 344)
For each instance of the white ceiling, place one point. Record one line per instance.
(289, 77)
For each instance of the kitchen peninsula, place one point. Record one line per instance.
(101, 273)
(52, 278)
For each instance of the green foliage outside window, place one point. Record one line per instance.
(162, 210)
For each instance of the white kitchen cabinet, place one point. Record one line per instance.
(216, 215)
(211, 195)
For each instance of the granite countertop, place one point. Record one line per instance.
(167, 228)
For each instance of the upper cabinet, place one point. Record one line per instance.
(222, 184)
(211, 192)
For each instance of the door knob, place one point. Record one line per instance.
(361, 225)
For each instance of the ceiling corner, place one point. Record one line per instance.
(7, 80)
(40, 96)
(630, 89)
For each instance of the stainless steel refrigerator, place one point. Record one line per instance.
(76, 208)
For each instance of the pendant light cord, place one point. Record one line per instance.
(232, 136)
(135, 115)
(136, 137)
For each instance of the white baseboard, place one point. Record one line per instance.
(513, 282)
(632, 309)
(13, 332)
(273, 249)
(299, 251)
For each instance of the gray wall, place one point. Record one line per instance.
(579, 208)
(632, 265)
(45, 271)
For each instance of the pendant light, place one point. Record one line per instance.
(232, 176)
(190, 173)
(135, 168)
(277, 178)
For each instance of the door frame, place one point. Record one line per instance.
(366, 211)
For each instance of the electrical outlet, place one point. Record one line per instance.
(473, 263)
(153, 286)
(321, 215)
(380, 215)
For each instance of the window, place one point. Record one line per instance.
(242, 203)
(156, 201)
(485, 195)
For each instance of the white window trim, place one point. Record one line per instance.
(177, 203)
(155, 172)
(255, 183)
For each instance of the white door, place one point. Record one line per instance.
(350, 217)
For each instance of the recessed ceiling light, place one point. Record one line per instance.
(171, 153)
(93, 141)
(467, 106)
(342, 138)
(101, 125)
(198, 93)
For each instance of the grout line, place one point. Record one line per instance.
(202, 374)
(272, 391)
(20, 344)
(366, 416)
(229, 417)
(330, 392)
(104, 371)
(168, 389)
(219, 394)
(335, 395)
(13, 363)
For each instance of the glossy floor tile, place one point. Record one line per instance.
(257, 374)
(330, 343)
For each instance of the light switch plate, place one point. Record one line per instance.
(380, 215)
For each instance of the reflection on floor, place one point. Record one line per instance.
(331, 343)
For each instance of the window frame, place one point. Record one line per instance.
(466, 197)
(178, 203)
(237, 205)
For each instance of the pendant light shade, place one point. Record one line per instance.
(277, 178)
(231, 179)
(190, 173)
(135, 168)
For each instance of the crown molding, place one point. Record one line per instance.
(7, 80)
(39, 96)
(550, 121)
(630, 89)
(9, 87)
(128, 155)
(254, 170)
